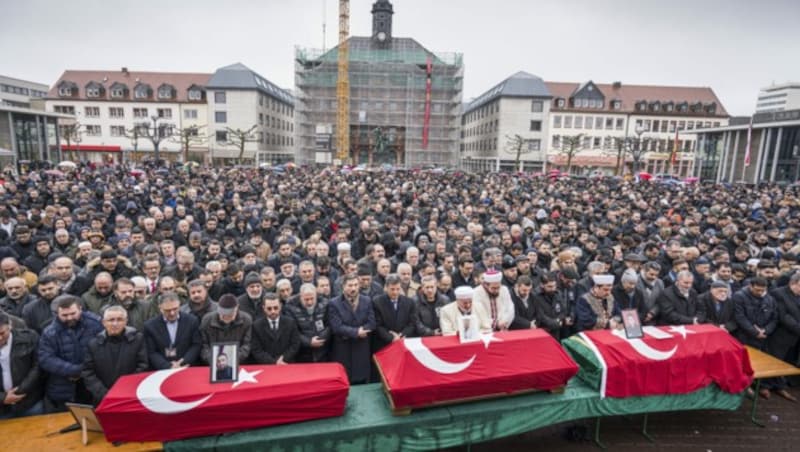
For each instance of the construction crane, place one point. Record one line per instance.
(343, 85)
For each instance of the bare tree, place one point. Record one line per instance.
(188, 137)
(151, 131)
(516, 145)
(70, 133)
(570, 146)
(239, 138)
(633, 147)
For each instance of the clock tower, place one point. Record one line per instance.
(382, 11)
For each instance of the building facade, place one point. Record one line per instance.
(19, 93)
(764, 150)
(509, 119)
(781, 97)
(29, 136)
(123, 115)
(246, 109)
(594, 121)
(405, 101)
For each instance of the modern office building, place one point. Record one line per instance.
(29, 136)
(782, 97)
(18, 93)
(766, 149)
(405, 100)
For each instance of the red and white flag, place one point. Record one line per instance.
(419, 372)
(174, 404)
(669, 360)
(749, 141)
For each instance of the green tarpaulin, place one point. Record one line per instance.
(369, 425)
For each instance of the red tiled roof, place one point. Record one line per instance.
(630, 94)
(181, 81)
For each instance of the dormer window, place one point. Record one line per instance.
(93, 92)
(141, 91)
(165, 91)
(616, 105)
(195, 94)
(683, 107)
(711, 108)
(560, 102)
(66, 89)
(641, 106)
(669, 106)
(94, 89)
(655, 106)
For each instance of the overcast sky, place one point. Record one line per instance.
(733, 46)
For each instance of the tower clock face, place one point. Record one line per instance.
(381, 36)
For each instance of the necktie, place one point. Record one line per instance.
(152, 287)
(394, 303)
(274, 324)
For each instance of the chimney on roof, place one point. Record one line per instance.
(617, 85)
(125, 71)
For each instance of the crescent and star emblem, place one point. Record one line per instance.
(427, 358)
(150, 395)
(649, 352)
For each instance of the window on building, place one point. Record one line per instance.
(598, 123)
(620, 123)
(588, 122)
(536, 126)
(165, 92)
(190, 113)
(165, 113)
(537, 106)
(534, 145)
(65, 91)
(219, 97)
(195, 94)
(222, 136)
(93, 92)
(671, 127)
(221, 117)
(556, 121)
(116, 112)
(560, 103)
(556, 141)
(579, 122)
(681, 125)
(141, 92)
(609, 123)
(117, 131)
(92, 130)
(616, 105)
(597, 142)
(568, 122)
(91, 112)
(664, 125)
(139, 112)
(655, 125)
(118, 93)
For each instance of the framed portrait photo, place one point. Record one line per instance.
(632, 324)
(224, 362)
(468, 329)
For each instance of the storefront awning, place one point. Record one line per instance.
(90, 148)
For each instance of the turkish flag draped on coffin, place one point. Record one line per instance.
(181, 403)
(669, 360)
(423, 371)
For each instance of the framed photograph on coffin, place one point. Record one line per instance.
(468, 329)
(86, 419)
(224, 363)
(632, 324)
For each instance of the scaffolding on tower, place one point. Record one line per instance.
(343, 85)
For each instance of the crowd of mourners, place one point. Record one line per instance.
(107, 271)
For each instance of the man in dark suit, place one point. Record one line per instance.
(276, 338)
(678, 303)
(525, 315)
(173, 340)
(784, 342)
(352, 319)
(719, 307)
(395, 314)
(21, 394)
